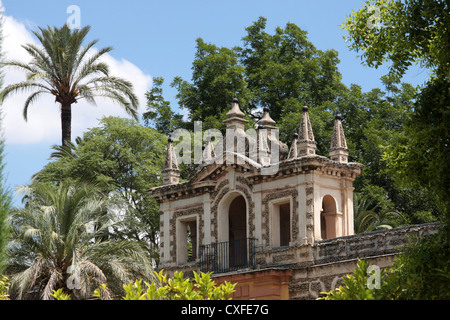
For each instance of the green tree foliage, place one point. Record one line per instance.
(413, 32)
(126, 159)
(4, 288)
(422, 270)
(370, 215)
(159, 112)
(69, 72)
(421, 156)
(355, 285)
(200, 287)
(217, 76)
(285, 70)
(62, 239)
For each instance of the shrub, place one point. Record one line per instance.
(362, 284)
(4, 288)
(201, 287)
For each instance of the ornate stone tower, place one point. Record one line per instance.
(170, 172)
(306, 145)
(338, 149)
(231, 211)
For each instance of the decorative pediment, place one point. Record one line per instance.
(229, 161)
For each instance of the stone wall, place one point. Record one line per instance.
(313, 268)
(321, 266)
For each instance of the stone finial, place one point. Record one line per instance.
(235, 117)
(170, 172)
(338, 149)
(209, 154)
(266, 120)
(306, 145)
(293, 153)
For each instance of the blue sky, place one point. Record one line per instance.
(156, 39)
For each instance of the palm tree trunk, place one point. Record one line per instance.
(66, 122)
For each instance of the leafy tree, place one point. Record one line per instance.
(370, 215)
(159, 112)
(421, 158)
(126, 159)
(422, 269)
(58, 242)
(408, 32)
(70, 72)
(374, 122)
(217, 77)
(413, 32)
(285, 70)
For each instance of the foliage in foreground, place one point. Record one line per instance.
(63, 238)
(4, 288)
(201, 287)
(356, 285)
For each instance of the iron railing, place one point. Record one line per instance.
(228, 256)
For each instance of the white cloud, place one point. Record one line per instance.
(43, 116)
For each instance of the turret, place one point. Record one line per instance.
(306, 145)
(338, 149)
(170, 172)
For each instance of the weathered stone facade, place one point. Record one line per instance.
(293, 208)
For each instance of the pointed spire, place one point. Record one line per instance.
(306, 144)
(263, 146)
(293, 153)
(338, 149)
(170, 172)
(209, 154)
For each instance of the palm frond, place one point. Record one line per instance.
(30, 100)
(55, 276)
(62, 67)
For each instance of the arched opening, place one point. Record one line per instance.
(237, 232)
(328, 218)
(237, 224)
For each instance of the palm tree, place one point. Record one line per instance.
(369, 216)
(70, 72)
(62, 238)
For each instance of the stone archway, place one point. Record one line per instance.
(233, 229)
(237, 219)
(237, 232)
(328, 218)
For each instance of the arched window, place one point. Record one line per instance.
(328, 218)
(237, 228)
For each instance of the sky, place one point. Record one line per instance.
(152, 39)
